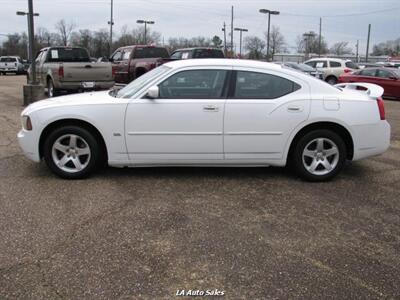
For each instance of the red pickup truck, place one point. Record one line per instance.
(130, 62)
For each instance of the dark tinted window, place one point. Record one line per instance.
(8, 59)
(335, 64)
(176, 55)
(194, 84)
(68, 55)
(384, 74)
(151, 52)
(367, 72)
(208, 53)
(351, 65)
(252, 85)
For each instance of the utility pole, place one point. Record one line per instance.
(357, 52)
(145, 28)
(224, 30)
(369, 33)
(232, 31)
(240, 44)
(111, 23)
(319, 38)
(269, 13)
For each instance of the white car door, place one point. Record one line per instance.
(184, 125)
(261, 112)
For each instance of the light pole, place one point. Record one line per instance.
(111, 23)
(307, 37)
(30, 15)
(240, 44)
(224, 30)
(145, 28)
(269, 12)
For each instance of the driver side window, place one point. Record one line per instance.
(194, 84)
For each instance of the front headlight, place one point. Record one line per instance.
(26, 123)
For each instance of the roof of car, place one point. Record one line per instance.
(223, 62)
(198, 48)
(328, 58)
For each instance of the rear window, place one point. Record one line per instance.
(351, 65)
(68, 55)
(335, 64)
(8, 59)
(208, 53)
(151, 52)
(367, 72)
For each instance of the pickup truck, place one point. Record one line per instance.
(130, 62)
(11, 64)
(71, 69)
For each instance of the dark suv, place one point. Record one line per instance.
(200, 52)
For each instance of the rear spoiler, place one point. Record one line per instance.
(370, 89)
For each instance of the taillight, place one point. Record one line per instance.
(381, 107)
(61, 72)
(347, 70)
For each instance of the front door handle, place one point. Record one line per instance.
(211, 108)
(295, 108)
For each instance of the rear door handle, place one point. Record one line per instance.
(295, 108)
(211, 108)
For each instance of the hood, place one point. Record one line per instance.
(102, 97)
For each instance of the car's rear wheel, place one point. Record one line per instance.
(319, 155)
(72, 152)
(51, 91)
(331, 80)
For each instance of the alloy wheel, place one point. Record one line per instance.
(320, 156)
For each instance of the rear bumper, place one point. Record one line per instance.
(29, 144)
(78, 85)
(371, 139)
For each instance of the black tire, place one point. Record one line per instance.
(93, 159)
(51, 91)
(331, 80)
(299, 160)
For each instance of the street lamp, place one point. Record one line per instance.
(31, 36)
(240, 44)
(145, 28)
(269, 12)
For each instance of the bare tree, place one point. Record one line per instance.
(254, 46)
(276, 41)
(340, 48)
(65, 29)
(391, 48)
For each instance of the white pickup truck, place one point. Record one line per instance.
(11, 64)
(70, 69)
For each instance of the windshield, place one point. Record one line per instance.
(138, 83)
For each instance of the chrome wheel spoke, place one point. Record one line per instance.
(60, 147)
(72, 141)
(326, 164)
(331, 151)
(320, 144)
(77, 163)
(82, 151)
(309, 153)
(63, 161)
(313, 166)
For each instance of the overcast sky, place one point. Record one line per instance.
(342, 20)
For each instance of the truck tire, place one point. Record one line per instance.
(51, 91)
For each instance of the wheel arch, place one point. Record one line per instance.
(335, 127)
(74, 122)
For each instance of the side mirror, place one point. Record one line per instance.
(392, 77)
(153, 92)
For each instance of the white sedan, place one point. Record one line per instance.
(218, 112)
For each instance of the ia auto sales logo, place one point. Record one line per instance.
(199, 293)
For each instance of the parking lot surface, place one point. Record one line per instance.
(146, 233)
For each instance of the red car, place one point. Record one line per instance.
(387, 78)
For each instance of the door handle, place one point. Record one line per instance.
(211, 108)
(295, 108)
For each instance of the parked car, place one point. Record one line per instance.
(70, 69)
(210, 112)
(302, 68)
(11, 64)
(387, 78)
(131, 62)
(199, 52)
(331, 68)
(362, 65)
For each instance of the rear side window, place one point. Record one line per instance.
(208, 53)
(176, 55)
(151, 52)
(384, 74)
(126, 54)
(335, 64)
(253, 85)
(194, 84)
(68, 55)
(321, 64)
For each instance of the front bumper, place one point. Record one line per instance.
(371, 139)
(29, 145)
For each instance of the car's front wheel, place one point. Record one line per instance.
(319, 155)
(71, 152)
